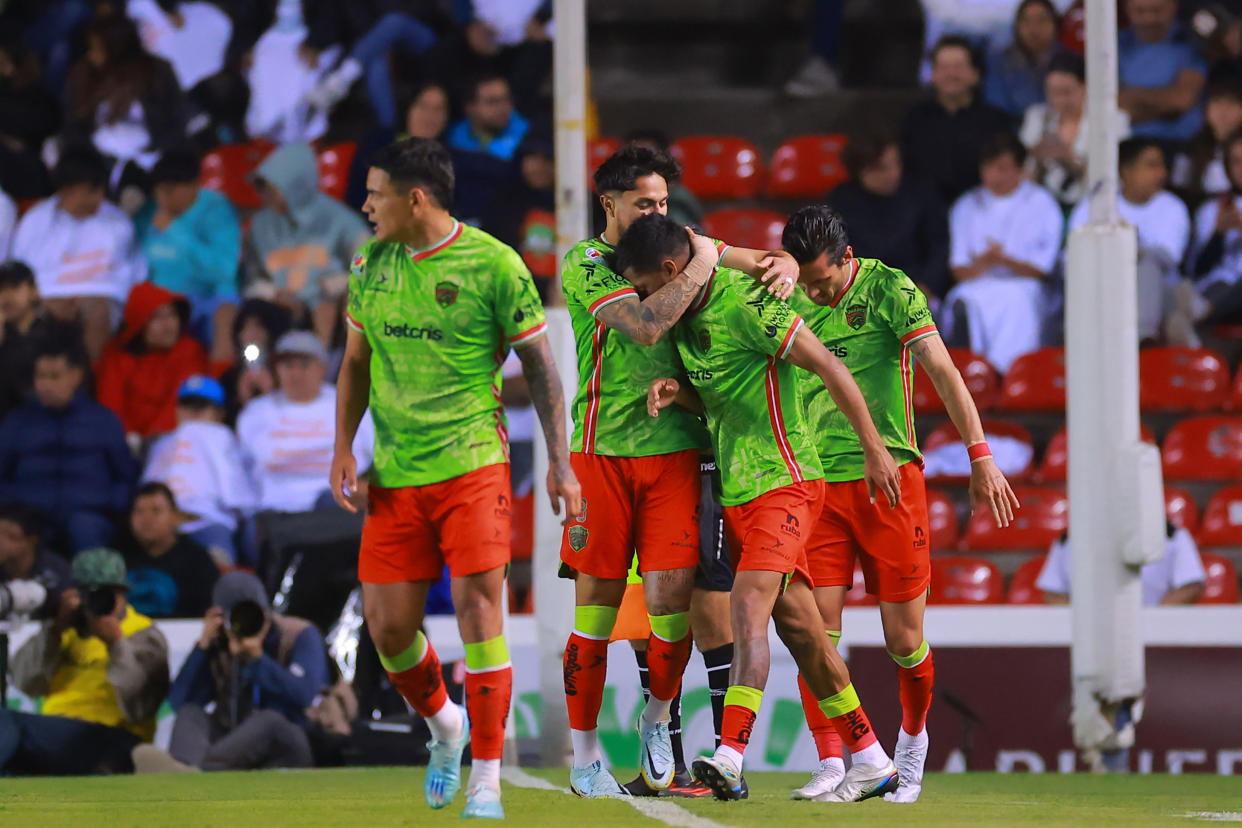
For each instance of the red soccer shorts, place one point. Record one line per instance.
(893, 545)
(411, 532)
(770, 533)
(648, 504)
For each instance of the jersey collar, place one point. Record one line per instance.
(705, 293)
(418, 255)
(853, 274)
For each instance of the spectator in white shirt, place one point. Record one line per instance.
(1161, 220)
(1177, 578)
(192, 37)
(8, 224)
(1004, 238)
(287, 436)
(201, 462)
(81, 249)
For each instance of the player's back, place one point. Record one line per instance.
(440, 323)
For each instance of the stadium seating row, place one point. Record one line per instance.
(227, 169)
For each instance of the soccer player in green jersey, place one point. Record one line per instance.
(433, 308)
(739, 346)
(875, 320)
(640, 477)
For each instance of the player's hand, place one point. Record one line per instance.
(882, 476)
(988, 487)
(343, 477)
(661, 394)
(563, 485)
(780, 274)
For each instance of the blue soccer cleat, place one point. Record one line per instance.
(721, 776)
(444, 766)
(483, 802)
(595, 782)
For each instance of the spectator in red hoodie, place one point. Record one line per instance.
(144, 365)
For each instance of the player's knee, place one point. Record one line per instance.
(390, 634)
(903, 641)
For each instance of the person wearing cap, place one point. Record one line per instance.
(287, 436)
(260, 670)
(101, 668)
(201, 461)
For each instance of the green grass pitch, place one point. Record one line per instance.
(393, 796)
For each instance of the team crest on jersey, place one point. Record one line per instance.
(593, 254)
(578, 537)
(446, 294)
(705, 339)
(359, 262)
(856, 316)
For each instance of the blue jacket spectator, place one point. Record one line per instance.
(1161, 74)
(491, 125)
(1015, 76)
(66, 454)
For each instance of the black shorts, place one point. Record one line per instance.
(715, 572)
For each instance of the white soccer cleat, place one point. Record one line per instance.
(596, 782)
(910, 756)
(862, 782)
(655, 760)
(826, 778)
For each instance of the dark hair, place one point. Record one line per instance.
(155, 487)
(81, 164)
(649, 241)
(419, 162)
(129, 72)
(1047, 6)
(197, 404)
(1000, 144)
(1129, 150)
(651, 136)
(954, 41)
(275, 319)
(864, 150)
(1068, 63)
(14, 273)
(815, 230)
(56, 347)
(176, 166)
(477, 82)
(30, 520)
(621, 170)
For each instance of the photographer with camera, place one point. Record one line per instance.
(102, 670)
(261, 670)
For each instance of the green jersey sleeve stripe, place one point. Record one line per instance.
(615, 296)
(777, 418)
(787, 343)
(353, 323)
(530, 334)
(916, 335)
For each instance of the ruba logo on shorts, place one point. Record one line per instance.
(856, 316)
(446, 293)
(578, 537)
(792, 526)
(920, 538)
(503, 509)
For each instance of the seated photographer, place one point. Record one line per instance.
(40, 576)
(102, 671)
(242, 693)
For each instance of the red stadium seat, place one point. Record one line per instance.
(942, 515)
(1181, 510)
(946, 434)
(1235, 396)
(760, 229)
(857, 595)
(1182, 379)
(720, 167)
(1055, 464)
(334, 163)
(227, 170)
(1035, 382)
(598, 151)
(1222, 521)
(1022, 589)
(1043, 518)
(959, 579)
(981, 378)
(1204, 448)
(808, 166)
(1220, 586)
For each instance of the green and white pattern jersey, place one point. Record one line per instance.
(732, 342)
(440, 322)
(614, 372)
(870, 327)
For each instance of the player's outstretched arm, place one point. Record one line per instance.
(353, 391)
(987, 484)
(666, 391)
(647, 320)
(774, 268)
(878, 467)
(549, 399)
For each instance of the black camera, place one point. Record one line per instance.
(246, 619)
(99, 601)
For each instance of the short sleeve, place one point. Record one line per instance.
(518, 309)
(1054, 577)
(1192, 60)
(903, 307)
(1187, 566)
(764, 323)
(354, 315)
(588, 280)
(960, 219)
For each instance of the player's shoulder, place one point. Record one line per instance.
(879, 278)
(473, 242)
(592, 251)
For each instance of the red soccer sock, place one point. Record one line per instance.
(666, 662)
(488, 696)
(740, 709)
(586, 668)
(422, 685)
(827, 740)
(850, 720)
(915, 690)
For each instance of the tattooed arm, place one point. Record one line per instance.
(647, 320)
(549, 399)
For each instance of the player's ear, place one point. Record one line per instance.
(849, 251)
(606, 202)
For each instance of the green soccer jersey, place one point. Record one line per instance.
(440, 322)
(870, 327)
(733, 341)
(614, 372)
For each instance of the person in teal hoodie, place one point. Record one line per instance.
(302, 241)
(192, 242)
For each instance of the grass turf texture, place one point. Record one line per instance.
(393, 796)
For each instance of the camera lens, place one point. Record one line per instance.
(245, 619)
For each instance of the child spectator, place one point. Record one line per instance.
(23, 558)
(170, 575)
(24, 325)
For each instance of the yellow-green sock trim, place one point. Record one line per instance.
(595, 622)
(487, 655)
(914, 659)
(673, 627)
(744, 696)
(844, 702)
(835, 635)
(408, 658)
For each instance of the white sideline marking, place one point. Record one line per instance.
(660, 810)
(1215, 816)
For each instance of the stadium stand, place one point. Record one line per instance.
(961, 579)
(806, 166)
(1043, 518)
(1022, 589)
(719, 167)
(982, 380)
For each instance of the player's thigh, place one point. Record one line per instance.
(394, 613)
(896, 542)
(599, 540)
(666, 512)
(903, 624)
(797, 619)
(472, 517)
(832, 547)
(831, 602)
(399, 542)
(770, 532)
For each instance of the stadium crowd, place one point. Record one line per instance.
(167, 349)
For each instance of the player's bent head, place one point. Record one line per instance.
(652, 252)
(408, 180)
(817, 238)
(633, 182)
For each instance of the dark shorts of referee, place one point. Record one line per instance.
(715, 570)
